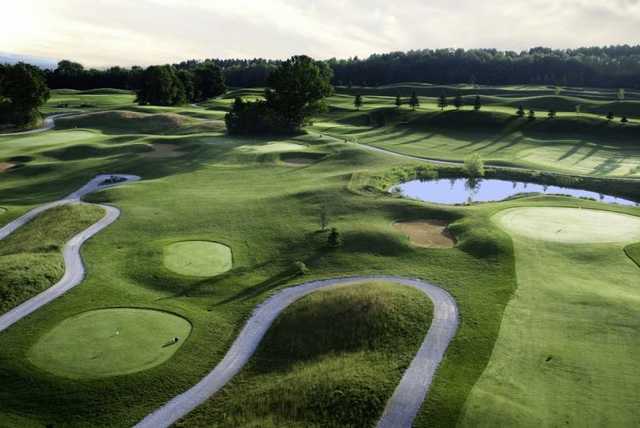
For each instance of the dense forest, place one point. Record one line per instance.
(613, 66)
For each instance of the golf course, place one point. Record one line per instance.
(157, 269)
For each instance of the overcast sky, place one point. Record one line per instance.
(126, 32)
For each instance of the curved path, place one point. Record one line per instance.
(48, 124)
(74, 269)
(406, 400)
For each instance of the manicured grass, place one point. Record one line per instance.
(272, 147)
(583, 145)
(109, 342)
(571, 225)
(31, 258)
(269, 213)
(197, 258)
(633, 251)
(566, 353)
(331, 359)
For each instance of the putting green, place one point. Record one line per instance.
(570, 225)
(198, 258)
(109, 342)
(273, 147)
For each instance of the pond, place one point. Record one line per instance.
(462, 190)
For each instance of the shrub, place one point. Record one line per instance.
(299, 268)
(334, 240)
(474, 166)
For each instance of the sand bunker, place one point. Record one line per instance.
(5, 166)
(164, 151)
(427, 233)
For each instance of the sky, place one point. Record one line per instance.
(99, 33)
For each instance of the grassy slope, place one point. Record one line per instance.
(31, 258)
(331, 359)
(581, 145)
(633, 252)
(268, 214)
(567, 346)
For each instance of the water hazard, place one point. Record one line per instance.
(463, 190)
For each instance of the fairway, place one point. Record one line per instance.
(109, 342)
(568, 345)
(570, 225)
(198, 258)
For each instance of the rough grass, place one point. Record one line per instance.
(197, 258)
(31, 258)
(330, 360)
(125, 121)
(566, 353)
(109, 342)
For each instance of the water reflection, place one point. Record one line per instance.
(461, 190)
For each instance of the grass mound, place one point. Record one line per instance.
(301, 158)
(570, 225)
(126, 121)
(633, 251)
(331, 359)
(198, 258)
(109, 342)
(427, 233)
(31, 259)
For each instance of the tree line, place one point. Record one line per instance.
(612, 66)
(23, 90)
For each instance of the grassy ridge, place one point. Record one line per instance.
(331, 359)
(31, 258)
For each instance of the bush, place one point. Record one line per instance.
(334, 240)
(474, 166)
(299, 268)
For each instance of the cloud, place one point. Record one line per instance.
(104, 32)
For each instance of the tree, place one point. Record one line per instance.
(578, 109)
(398, 101)
(297, 88)
(209, 82)
(477, 105)
(551, 114)
(334, 240)
(324, 218)
(474, 166)
(357, 102)
(624, 119)
(620, 94)
(161, 86)
(23, 90)
(610, 116)
(531, 115)
(520, 111)
(414, 101)
(442, 102)
(458, 102)
(188, 83)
